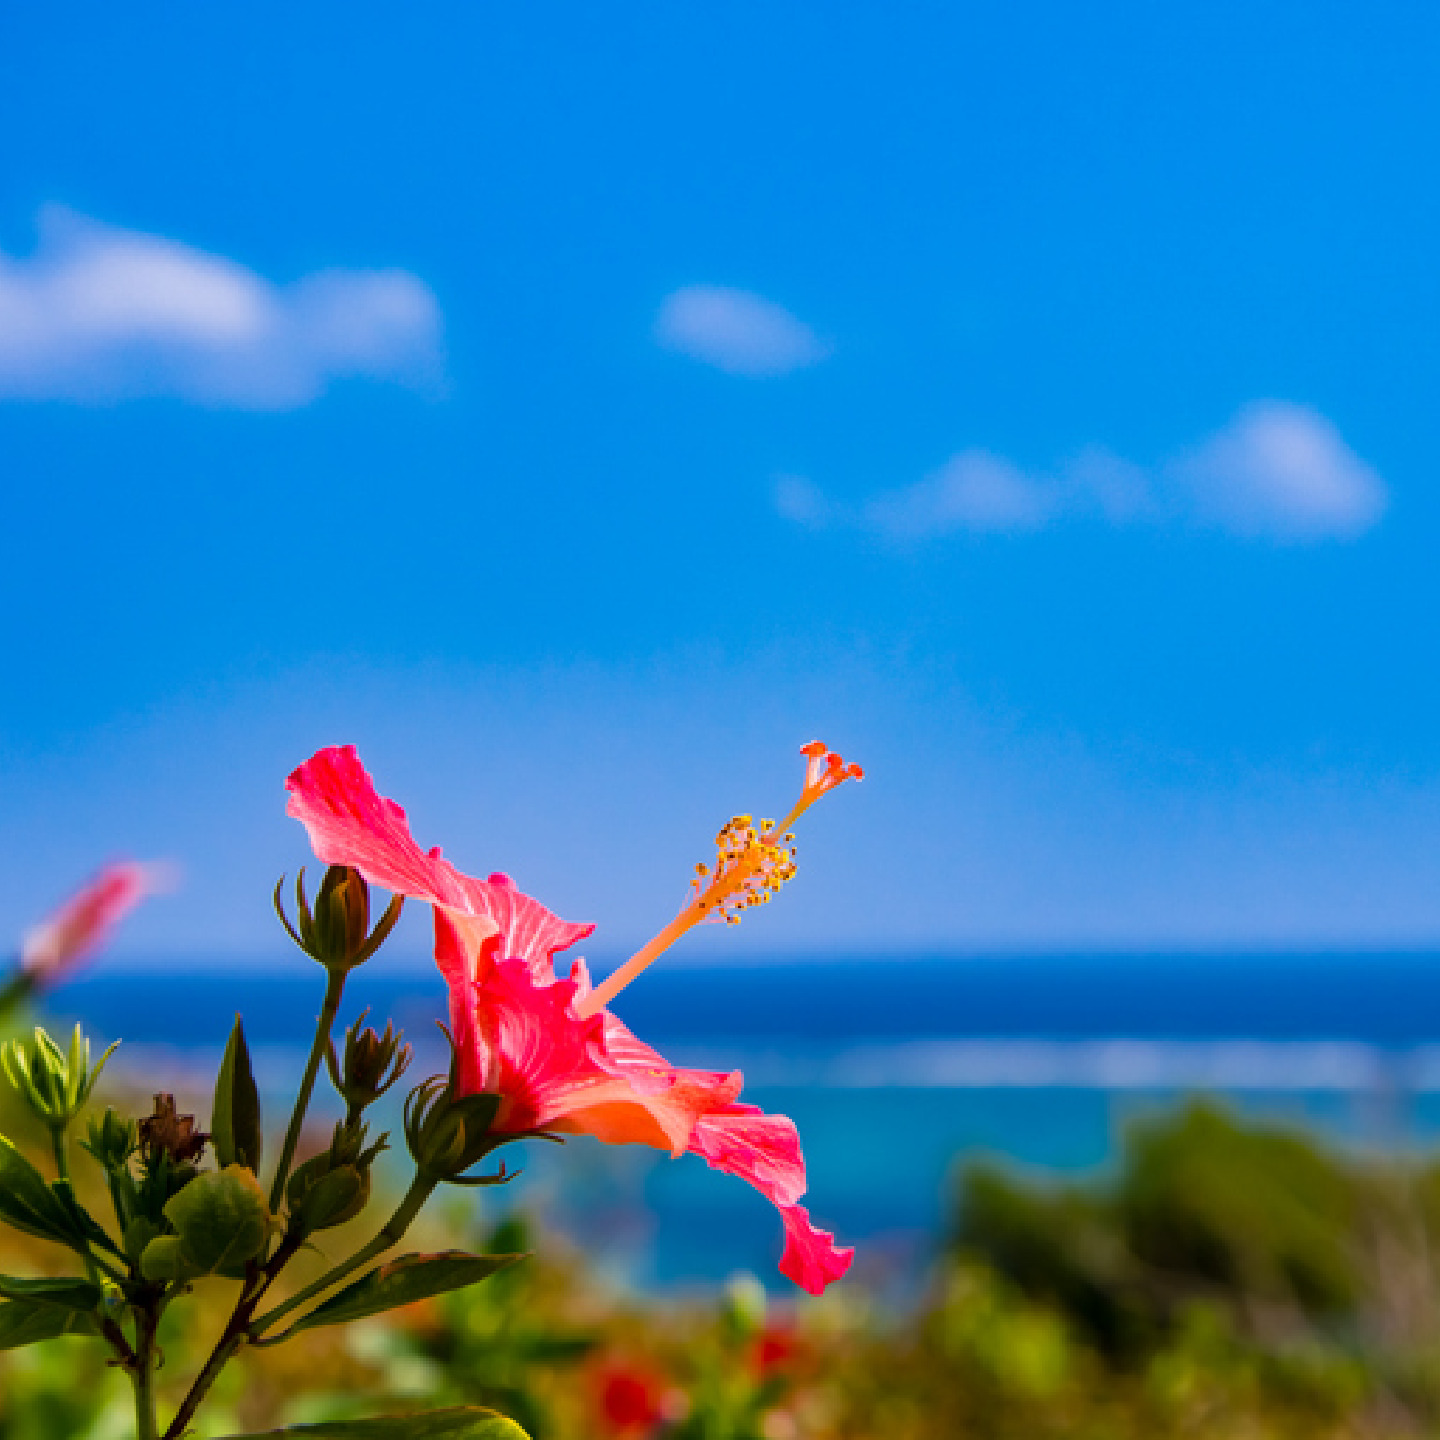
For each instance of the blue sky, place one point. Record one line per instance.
(579, 408)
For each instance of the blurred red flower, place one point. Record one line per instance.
(776, 1347)
(630, 1400)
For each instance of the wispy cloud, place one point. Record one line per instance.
(736, 331)
(1282, 471)
(99, 313)
(1277, 471)
(971, 491)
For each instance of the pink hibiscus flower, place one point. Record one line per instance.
(548, 1047)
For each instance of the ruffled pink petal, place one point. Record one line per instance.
(529, 1047)
(763, 1150)
(86, 918)
(528, 931)
(350, 823)
(556, 1071)
(458, 948)
(679, 1097)
(333, 797)
(811, 1259)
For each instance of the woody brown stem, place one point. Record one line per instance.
(235, 1334)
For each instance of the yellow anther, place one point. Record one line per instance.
(751, 865)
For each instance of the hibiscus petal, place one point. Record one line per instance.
(349, 823)
(528, 930)
(763, 1150)
(458, 946)
(528, 1046)
(555, 1070)
(811, 1259)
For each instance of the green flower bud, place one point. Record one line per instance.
(334, 1186)
(111, 1140)
(337, 931)
(55, 1085)
(744, 1305)
(447, 1134)
(372, 1064)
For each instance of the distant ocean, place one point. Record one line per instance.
(895, 1071)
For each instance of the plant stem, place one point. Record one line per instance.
(62, 1170)
(334, 986)
(242, 1327)
(389, 1235)
(57, 1144)
(143, 1375)
(124, 1355)
(15, 990)
(236, 1332)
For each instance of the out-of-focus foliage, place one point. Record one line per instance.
(1226, 1282)
(1258, 1221)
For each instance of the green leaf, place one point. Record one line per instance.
(465, 1422)
(29, 1204)
(401, 1282)
(83, 1225)
(235, 1120)
(221, 1220)
(25, 1199)
(67, 1291)
(23, 1322)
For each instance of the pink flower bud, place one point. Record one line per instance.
(84, 921)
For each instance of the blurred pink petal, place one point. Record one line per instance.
(85, 920)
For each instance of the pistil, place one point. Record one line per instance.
(751, 865)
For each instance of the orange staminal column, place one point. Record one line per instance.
(751, 864)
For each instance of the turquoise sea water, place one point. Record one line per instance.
(896, 1073)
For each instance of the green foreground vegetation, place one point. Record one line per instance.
(1228, 1280)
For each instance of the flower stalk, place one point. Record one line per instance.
(329, 1009)
(389, 1235)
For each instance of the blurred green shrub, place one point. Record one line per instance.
(1256, 1220)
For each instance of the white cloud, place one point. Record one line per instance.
(1282, 471)
(972, 491)
(802, 501)
(736, 331)
(1277, 471)
(100, 313)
